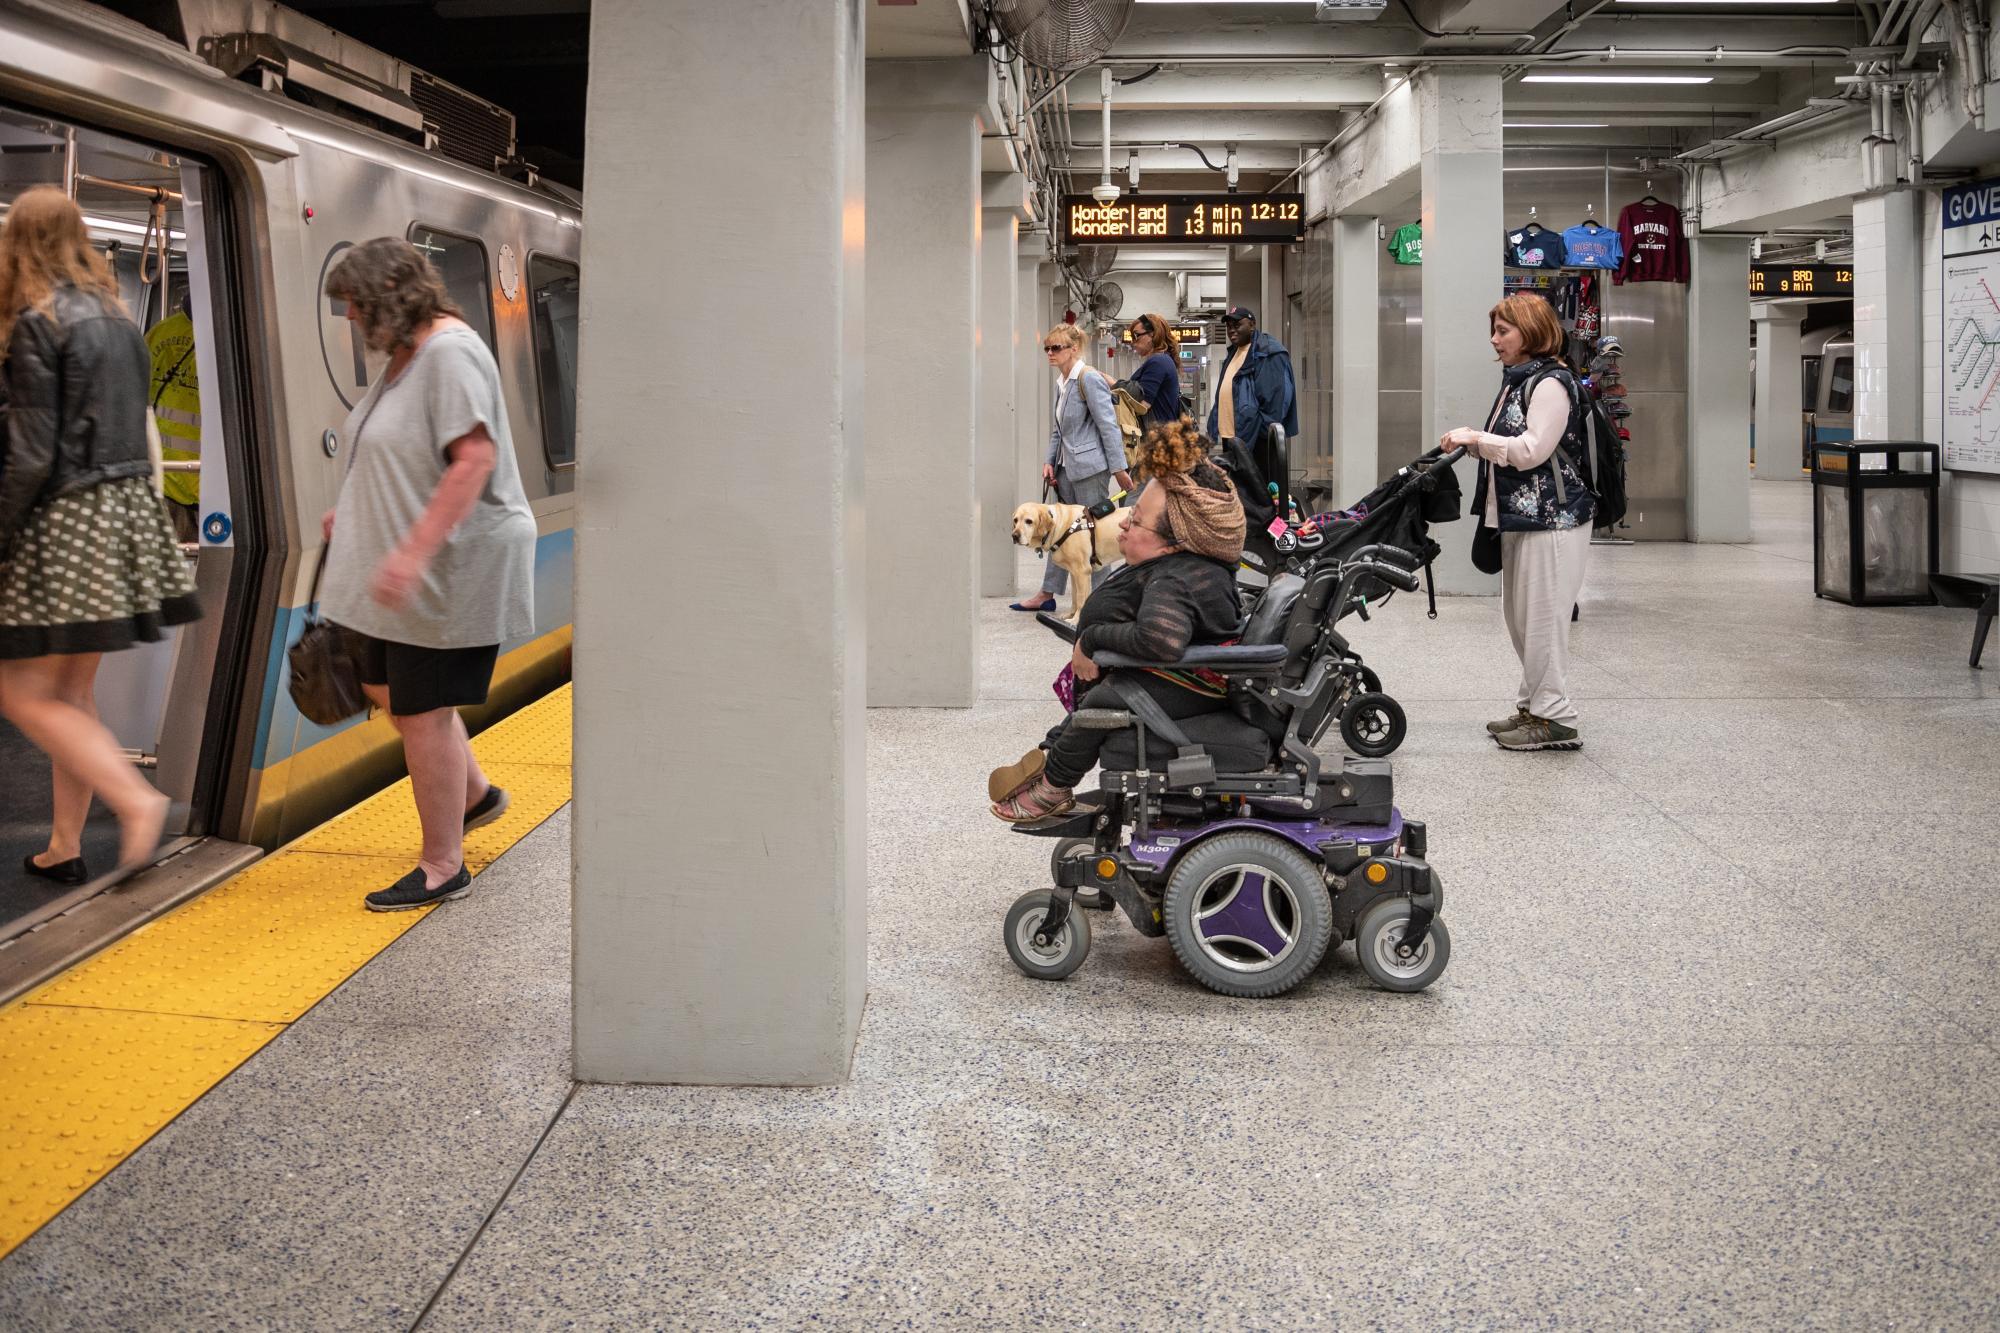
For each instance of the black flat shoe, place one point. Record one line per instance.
(488, 808)
(71, 872)
(409, 893)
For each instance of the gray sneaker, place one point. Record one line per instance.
(1517, 718)
(1540, 734)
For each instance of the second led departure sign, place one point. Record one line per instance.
(1185, 219)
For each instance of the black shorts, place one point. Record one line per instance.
(421, 680)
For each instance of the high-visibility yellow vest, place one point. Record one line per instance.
(176, 397)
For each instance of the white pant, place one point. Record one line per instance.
(1541, 574)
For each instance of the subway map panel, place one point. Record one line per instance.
(1972, 363)
(1971, 217)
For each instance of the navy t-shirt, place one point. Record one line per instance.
(1158, 381)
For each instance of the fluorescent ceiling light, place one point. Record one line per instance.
(1616, 78)
(1555, 124)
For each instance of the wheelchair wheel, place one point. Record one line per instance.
(1248, 914)
(1071, 849)
(1372, 725)
(1376, 936)
(1059, 957)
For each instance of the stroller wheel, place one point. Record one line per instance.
(1248, 914)
(1378, 933)
(1055, 959)
(1372, 725)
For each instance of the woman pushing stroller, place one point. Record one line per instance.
(1181, 542)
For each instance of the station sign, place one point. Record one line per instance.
(1185, 219)
(1183, 333)
(1801, 280)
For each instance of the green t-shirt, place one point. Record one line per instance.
(1406, 246)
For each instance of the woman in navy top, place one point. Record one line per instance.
(1158, 378)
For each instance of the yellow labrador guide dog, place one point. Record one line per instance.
(1059, 532)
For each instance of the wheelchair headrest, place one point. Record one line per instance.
(1267, 621)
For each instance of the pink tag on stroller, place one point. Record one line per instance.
(1065, 688)
(1277, 528)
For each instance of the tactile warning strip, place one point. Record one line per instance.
(96, 1061)
(74, 1083)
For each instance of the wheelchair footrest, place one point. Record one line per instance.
(1078, 823)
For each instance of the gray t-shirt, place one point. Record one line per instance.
(479, 589)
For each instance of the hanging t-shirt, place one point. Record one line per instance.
(1592, 245)
(1406, 245)
(1655, 248)
(1534, 246)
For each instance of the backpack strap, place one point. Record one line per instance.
(1570, 390)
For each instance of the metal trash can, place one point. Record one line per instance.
(1875, 522)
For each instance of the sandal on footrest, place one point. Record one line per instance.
(1040, 801)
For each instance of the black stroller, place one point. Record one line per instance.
(1397, 514)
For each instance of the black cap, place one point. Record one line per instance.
(1237, 313)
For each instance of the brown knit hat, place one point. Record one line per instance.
(1203, 512)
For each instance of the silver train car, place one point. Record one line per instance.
(225, 167)
(1829, 388)
(1826, 383)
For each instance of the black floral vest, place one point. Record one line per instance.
(1550, 497)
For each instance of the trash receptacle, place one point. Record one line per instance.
(1875, 522)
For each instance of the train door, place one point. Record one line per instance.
(168, 704)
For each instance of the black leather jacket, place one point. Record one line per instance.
(75, 404)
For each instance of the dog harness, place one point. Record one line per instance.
(1084, 523)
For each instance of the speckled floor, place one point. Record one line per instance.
(1719, 1047)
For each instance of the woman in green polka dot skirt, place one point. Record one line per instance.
(88, 562)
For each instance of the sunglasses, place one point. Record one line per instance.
(1054, 347)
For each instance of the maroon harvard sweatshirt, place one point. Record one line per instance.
(1655, 248)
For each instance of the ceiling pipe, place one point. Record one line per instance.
(1350, 129)
(1707, 55)
(1106, 190)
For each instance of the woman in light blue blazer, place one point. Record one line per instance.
(1086, 449)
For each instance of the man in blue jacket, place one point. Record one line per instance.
(1256, 388)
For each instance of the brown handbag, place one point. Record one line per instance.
(326, 680)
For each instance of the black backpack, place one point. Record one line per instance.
(1603, 461)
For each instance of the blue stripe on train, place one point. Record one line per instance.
(282, 732)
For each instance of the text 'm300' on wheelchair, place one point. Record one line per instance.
(1226, 833)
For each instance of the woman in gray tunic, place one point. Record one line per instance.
(430, 565)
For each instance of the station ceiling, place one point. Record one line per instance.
(1265, 77)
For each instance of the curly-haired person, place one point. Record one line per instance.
(1181, 542)
(431, 544)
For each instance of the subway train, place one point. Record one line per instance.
(225, 158)
(1826, 409)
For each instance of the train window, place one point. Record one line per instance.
(461, 262)
(1809, 383)
(554, 287)
(1840, 386)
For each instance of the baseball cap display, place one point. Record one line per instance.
(1237, 313)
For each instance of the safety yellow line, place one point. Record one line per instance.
(96, 1061)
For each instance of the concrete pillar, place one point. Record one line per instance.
(1246, 280)
(1888, 317)
(1357, 356)
(1034, 388)
(1718, 502)
(997, 448)
(923, 295)
(1271, 305)
(1459, 133)
(1780, 390)
(702, 952)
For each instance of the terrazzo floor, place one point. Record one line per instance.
(1719, 1047)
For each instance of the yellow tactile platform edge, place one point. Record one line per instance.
(96, 1061)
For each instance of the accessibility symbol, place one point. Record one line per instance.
(216, 527)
